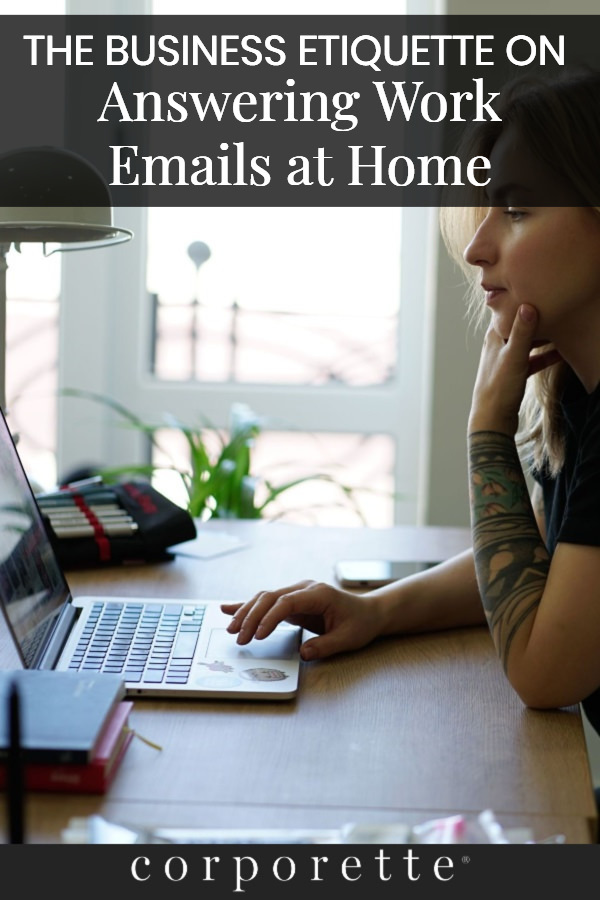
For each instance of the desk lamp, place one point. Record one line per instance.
(50, 196)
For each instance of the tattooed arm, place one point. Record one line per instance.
(543, 614)
(511, 559)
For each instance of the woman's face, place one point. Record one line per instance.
(546, 256)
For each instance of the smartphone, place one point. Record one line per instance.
(371, 573)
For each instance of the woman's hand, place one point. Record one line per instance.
(504, 368)
(344, 621)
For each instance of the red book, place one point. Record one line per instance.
(86, 778)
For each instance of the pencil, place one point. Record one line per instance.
(15, 777)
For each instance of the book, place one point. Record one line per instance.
(94, 777)
(62, 713)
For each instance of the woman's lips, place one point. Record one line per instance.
(491, 292)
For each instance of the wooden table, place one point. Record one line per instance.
(404, 730)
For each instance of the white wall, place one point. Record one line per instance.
(455, 358)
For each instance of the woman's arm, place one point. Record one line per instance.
(544, 615)
(537, 504)
(445, 596)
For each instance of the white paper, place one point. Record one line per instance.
(208, 544)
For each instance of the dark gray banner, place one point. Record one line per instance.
(277, 111)
(291, 872)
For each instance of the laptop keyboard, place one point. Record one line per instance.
(146, 643)
(31, 643)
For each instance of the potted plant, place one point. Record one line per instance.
(221, 483)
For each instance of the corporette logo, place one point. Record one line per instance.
(237, 874)
(143, 500)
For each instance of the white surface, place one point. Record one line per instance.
(209, 544)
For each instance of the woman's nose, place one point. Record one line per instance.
(481, 250)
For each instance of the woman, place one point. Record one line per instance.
(533, 574)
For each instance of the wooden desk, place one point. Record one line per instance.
(403, 730)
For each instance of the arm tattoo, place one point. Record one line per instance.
(511, 560)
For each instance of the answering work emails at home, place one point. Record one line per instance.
(159, 647)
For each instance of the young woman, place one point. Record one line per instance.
(533, 574)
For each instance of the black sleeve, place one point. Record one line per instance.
(581, 520)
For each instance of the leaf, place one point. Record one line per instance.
(221, 484)
(106, 401)
(247, 506)
(237, 454)
(119, 409)
(114, 473)
(242, 420)
(199, 459)
(224, 486)
(348, 492)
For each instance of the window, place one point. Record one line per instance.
(270, 298)
(388, 401)
(33, 286)
(285, 296)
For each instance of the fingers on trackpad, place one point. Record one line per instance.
(282, 644)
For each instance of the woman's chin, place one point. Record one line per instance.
(501, 329)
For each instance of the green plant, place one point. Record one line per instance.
(220, 483)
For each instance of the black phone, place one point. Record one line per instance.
(370, 573)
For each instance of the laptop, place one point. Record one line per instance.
(160, 648)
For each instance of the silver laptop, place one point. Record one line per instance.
(159, 647)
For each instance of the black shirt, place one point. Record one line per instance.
(572, 499)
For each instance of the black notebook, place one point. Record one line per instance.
(62, 714)
(106, 525)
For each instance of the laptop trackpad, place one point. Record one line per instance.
(282, 644)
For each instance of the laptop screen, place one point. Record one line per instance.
(33, 589)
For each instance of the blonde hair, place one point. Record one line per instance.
(560, 122)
